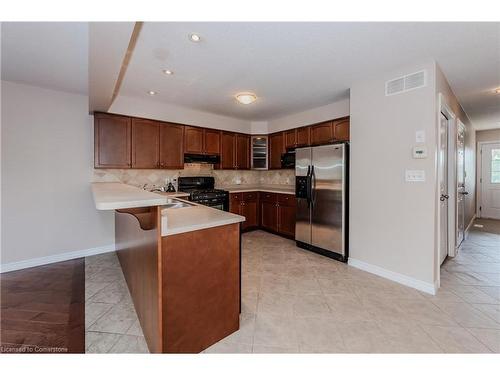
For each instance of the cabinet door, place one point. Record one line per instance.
(286, 220)
(212, 141)
(242, 151)
(234, 203)
(227, 151)
(322, 133)
(112, 141)
(286, 214)
(171, 146)
(145, 144)
(290, 138)
(341, 129)
(193, 140)
(275, 150)
(249, 210)
(269, 215)
(303, 136)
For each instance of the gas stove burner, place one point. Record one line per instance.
(201, 190)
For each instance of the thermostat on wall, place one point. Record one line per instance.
(419, 152)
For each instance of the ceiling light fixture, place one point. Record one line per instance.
(246, 97)
(194, 38)
(152, 92)
(168, 72)
(497, 91)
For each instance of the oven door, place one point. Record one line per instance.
(215, 203)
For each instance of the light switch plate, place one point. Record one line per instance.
(420, 136)
(414, 175)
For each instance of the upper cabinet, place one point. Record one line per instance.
(303, 137)
(201, 141)
(127, 142)
(171, 146)
(211, 141)
(145, 144)
(322, 133)
(235, 151)
(341, 129)
(112, 141)
(193, 140)
(227, 155)
(276, 148)
(297, 137)
(242, 151)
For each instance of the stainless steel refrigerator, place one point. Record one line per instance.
(321, 191)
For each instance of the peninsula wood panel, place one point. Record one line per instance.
(200, 266)
(137, 241)
(112, 141)
(171, 146)
(145, 144)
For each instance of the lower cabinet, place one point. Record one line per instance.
(270, 211)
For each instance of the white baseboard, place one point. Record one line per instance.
(14, 266)
(394, 276)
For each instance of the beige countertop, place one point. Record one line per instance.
(281, 189)
(195, 217)
(115, 195)
(177, 194)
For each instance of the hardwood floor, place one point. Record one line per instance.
(42, 309)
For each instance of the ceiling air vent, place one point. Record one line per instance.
(406, 83)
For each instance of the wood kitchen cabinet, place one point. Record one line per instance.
(235, 151)
(171, 146)
(145, 144)
(341, 129)
(193, 140)
(322, 133)
(242, 151)
(297, 138)
(201, 141)
(245, 204)
(302, 137)
(276, 148)
(278, 213)
(112, 141)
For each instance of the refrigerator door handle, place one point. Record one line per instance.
(308, 186)
(312, 185)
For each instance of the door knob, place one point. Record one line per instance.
(464, 193)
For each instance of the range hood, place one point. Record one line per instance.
(201, 159)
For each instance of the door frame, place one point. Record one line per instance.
(479, 174)
(445, 109)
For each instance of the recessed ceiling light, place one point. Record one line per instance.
(246, 97)
(168, 72)
(152, 92)
(194, 38)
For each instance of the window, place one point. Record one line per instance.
(495, 166)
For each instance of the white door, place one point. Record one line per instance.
(443, 187)
(490, 180)
(461, 193)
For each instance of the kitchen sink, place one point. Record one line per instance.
(176, 203)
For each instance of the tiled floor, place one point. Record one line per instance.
(296, 301)
(111, 324)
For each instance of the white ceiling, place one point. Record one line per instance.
(297, 66)
(47, 54)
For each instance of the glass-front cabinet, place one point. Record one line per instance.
(259, 152)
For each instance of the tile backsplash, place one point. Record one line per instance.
(139, 177)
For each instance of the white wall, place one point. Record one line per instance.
(156, 110)
(47, 166)
(311, 116)
(392, 222)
